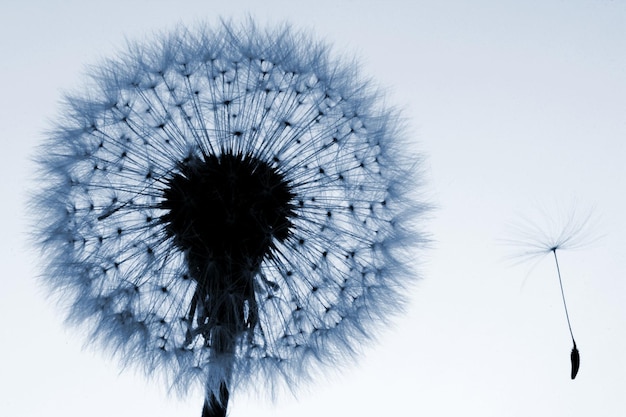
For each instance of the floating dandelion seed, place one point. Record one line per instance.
(537, 240)
(227, 208)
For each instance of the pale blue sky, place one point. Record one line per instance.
(516, 104)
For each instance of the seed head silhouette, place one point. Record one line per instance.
(228, 208)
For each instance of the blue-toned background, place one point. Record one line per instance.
(516, 104)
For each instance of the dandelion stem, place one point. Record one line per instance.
(216, 407)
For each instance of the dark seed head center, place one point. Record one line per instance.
(230, 209)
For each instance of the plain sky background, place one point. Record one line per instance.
(515, 103)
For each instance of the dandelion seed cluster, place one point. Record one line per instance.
(227, 207)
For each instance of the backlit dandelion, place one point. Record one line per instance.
(227, 208)
(535, 240)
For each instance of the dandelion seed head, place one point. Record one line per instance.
(228, 205)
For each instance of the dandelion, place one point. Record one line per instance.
(537, 240)
(227, 208)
